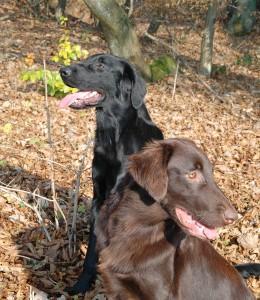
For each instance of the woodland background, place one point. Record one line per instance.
(220, 113)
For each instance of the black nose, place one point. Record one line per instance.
(230, 215)
(65, 71)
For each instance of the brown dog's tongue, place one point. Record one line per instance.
(194, 227)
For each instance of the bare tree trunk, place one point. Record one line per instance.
(119, 32)
(207, 40)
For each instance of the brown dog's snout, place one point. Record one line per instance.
(230, 215)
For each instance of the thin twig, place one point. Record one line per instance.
(7, 269)
(159, 41)
(131, 8)
(186, 64)
(6, 188)
(34, 208)
(72, 230)
(56, 205)
(65, 167)
(175, 80)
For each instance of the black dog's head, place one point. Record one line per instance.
(101, 78)
(179, 176)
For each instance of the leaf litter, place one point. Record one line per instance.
(228, 131)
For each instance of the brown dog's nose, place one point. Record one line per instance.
(230, 215)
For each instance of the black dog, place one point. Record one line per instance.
(113, 87)
(152, 236)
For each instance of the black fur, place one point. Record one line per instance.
(123, 127)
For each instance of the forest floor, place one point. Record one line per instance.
(222, 119)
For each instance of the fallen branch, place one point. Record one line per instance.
(6, 188)
(159, 41)
(32, 207)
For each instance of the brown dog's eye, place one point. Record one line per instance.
(192, 175)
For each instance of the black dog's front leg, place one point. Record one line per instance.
(249, 269)
(89, 273)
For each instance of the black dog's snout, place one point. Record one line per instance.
(65, 71)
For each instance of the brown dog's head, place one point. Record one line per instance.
(179, 176)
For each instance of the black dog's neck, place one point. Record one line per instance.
(111, 125)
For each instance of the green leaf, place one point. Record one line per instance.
(81, 208)
(25, 76)
(3, 163)
(35, 141)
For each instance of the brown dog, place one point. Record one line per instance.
(153, 230)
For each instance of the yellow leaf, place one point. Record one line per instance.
(7, 128)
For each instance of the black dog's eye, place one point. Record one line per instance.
(99, 67)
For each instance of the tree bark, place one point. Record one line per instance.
(119, 33)
(207, 40)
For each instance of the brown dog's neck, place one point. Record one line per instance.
(144, 208)
(152, 213)
(145, 228)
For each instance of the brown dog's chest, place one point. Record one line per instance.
(150, 283)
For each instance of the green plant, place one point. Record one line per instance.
(66, 53)
(245, 60)
(162, 67)
(81, 208)
(55, 85)
(3, 163)
(219, 70)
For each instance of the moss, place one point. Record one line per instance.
(162, 67)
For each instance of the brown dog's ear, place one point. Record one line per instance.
(149, 168)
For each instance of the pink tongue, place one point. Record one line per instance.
(194, 227)
(211, 234)
(67, 100)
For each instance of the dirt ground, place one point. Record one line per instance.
(222, 119)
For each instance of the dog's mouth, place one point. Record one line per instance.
(82, 99)
(193, 227)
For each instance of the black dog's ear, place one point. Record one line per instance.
(134, 85)
(149, 168)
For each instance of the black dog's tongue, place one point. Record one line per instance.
(80, 99)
